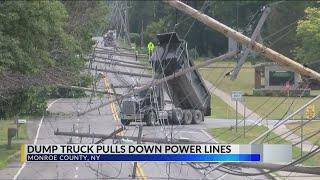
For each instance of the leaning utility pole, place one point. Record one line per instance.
(237, 36)
(254, 36)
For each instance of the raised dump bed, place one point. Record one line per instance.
(188, 91)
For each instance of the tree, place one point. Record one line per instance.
(138, 11)
(86, 19)
(153, 29)
(281, 24)
(32, 36)
(36, 35)
(308, 31)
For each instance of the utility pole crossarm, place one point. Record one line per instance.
(237, 36)
(235, 72)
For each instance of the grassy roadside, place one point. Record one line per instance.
(6, 154)
(220, 109)
(245, 83)
(308, 130)
(228, 135)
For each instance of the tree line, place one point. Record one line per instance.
(292, 28)
(38, 35)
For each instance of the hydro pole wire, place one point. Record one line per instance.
(237, 36)
(159, 81)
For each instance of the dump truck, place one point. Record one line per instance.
(190, 100)
(109, 38)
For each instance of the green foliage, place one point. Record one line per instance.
(141, 12)
(33, 35)
(25, 101)
(86, 19)
(153, 29)
(308, 31)
(236, 14)
(135, 38)
(282, 15)
(60, 92)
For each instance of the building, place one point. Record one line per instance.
(272, 79)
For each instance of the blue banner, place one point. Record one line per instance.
(147, 157)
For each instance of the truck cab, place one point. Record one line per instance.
(143, 106)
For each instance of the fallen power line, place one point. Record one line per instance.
(267, 166)
(121, 64)
(121, 72)
(159, 81)
(114, 136)
(120, 53)
(88, 89)
(116, 60)
(102, 137)
(246, 41)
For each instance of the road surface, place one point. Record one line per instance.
(105, 120)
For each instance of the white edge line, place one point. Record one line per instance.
(208, 135)
(223, 176)
(35, 139)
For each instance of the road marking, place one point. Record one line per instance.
(223, 176)
(35, 139)
(140, 172)
(191, 132)
(115, 115)
(19, 171)
(208, 135)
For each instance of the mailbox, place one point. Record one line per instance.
(11, 133)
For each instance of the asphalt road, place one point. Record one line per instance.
(105, 120)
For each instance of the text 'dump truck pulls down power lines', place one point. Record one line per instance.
(189, 96)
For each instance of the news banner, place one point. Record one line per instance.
(156, 152)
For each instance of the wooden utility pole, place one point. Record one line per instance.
(123, 72)
(141, 35)
(254, 36)
(136, 163)
(244, 40)
(160, 81)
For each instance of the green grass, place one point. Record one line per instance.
(229, 135)
(245, 83)
(121, 42)
(308, 129)
(5, 153)
(220, 109)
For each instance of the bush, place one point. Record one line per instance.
(152, 30)
(28, 101)
(135, 38)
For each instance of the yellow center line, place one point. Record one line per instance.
(115, 114)
(22, 155)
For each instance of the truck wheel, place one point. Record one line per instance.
(177, 116)
(125, 122)
(187, 117)
(197, 117)
(151, 118)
